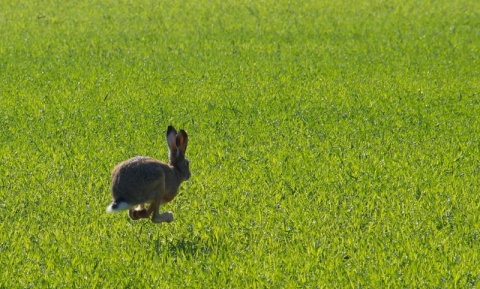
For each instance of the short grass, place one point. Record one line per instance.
(333, 144)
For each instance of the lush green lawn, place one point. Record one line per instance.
(332, 143)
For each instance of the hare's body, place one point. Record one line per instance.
(142, 180)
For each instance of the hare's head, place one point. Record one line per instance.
(177, 145)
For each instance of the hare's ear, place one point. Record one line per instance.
(182, 141)
(171, 135)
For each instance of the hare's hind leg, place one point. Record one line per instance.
(139, 213)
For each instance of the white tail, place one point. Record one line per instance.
(117, 206)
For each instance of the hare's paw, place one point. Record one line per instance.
(163, 217)
(168, 217)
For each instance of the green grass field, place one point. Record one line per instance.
(333, 144)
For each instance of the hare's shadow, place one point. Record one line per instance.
(191, 247)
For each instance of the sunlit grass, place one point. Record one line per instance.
(332, 144)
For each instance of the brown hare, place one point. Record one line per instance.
(142, 180)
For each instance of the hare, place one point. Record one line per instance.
(141, 180)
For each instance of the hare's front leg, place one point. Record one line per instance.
(163, 217)
(160, 218)
(139, 213)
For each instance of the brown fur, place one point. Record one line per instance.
(143, 180)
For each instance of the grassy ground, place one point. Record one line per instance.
(332, 143)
